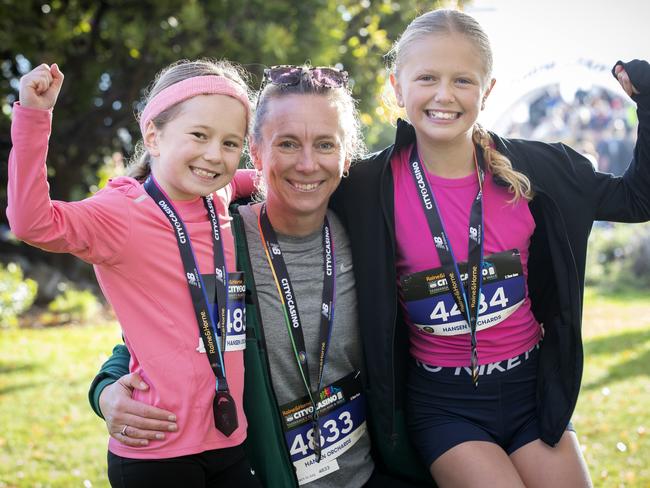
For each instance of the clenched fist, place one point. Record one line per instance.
(40, 87)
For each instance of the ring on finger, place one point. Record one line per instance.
(123, 431)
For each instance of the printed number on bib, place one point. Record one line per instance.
(433, 310)
(498, 300)
(236, 312)
(331, 431)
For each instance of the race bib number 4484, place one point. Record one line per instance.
(433, 310)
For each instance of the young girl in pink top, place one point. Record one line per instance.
(162, 248)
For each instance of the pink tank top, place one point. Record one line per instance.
(438, 332)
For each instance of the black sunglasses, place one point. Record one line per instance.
(288, 75)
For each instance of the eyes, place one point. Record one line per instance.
(459, 81)
(228, 143)
(324, 146)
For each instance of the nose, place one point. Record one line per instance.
(212, 152)
(307, 162)
(444, 94)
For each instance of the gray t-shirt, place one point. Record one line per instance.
(304, 260)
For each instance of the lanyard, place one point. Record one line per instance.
(467, 301)
(223, 404)
(290, 309)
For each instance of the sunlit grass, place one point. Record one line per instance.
(49, 435)
(51, 438)
(612, 417)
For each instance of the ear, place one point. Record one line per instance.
(150, 139)
(346, 165)
(397, 89)
(255, 154)
(488, 91)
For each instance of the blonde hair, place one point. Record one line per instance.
(140, 163)
(446, 22)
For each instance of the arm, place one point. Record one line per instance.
(110, 397)
(80, 227)
(627, 199)
(243, 183)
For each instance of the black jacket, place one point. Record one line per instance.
(569, 196)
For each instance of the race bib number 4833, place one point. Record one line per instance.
(433, 310)
(341, 409)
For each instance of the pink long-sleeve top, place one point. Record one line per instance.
(130, 242)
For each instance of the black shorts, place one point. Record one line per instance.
(227, 467)
(445, 409)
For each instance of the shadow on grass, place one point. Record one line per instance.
(10, 368)
(613, 344)
(616, 343)
(22, 386)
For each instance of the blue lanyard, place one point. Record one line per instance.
(223, 404)
(467, 300)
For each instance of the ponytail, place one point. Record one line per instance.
(501, 167)
(139, 166)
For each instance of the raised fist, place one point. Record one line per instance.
(40, 87)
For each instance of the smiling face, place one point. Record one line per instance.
(442, 83)
(301, 154)
(198, 150)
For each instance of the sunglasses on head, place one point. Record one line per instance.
(287, 75)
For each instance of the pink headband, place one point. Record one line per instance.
(191, 87)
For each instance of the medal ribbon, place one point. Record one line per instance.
(467, 300)
(223, 404)
(290, 309)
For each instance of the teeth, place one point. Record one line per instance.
(204, 173)
(304, 186)
(442, 115)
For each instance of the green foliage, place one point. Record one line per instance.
(16, 294)
(619, 257)
(110, 50)
(73, 306)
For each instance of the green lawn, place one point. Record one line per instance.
(49, 435)
(612, 417)
(51, 438)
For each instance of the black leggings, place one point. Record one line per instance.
(221, 468)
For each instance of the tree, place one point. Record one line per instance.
(110, 49)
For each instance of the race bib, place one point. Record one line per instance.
(236, 313)
(433, 310)
(342, 412)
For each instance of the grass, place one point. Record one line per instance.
(51, 438)
(612, 418)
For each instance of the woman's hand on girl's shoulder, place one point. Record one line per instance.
(40, 87)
